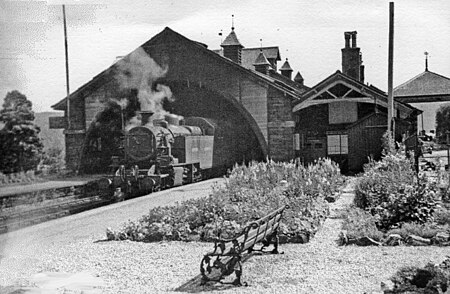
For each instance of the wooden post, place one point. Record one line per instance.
(391, 71)
(67, 66)
(448, 151)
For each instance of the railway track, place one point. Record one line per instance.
(33, 207)
(20, 217)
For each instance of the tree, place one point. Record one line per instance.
(442, 121)
(20, 146)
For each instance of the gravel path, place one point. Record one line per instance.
(70, 247)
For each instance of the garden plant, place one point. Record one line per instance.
(392, 200)
(249, 193)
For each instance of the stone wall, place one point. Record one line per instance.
(280, 126)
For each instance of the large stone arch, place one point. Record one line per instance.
(243, 136)
(234, 103)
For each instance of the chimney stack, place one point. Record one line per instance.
(354, 39)
(145, 117)
(347, 39)
(351, 58)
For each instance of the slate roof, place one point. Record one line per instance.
(425, 84)
(249, 55)
(298, 78)
(261, 59)
(286, 66)
(102, 77)
(231, 40)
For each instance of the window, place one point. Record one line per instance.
(337, 144)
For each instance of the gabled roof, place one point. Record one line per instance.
(107, 74)
(426, 87)
(231, 40)
(339, 86)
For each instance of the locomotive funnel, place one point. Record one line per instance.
(145, 116)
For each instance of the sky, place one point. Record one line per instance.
(309, 33)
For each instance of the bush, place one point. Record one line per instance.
(407, 204)
(427, 230)
(18, 178)
(52, 161)
(442, 217)
(250, 192)
(359, 223)
(430, 279)
(392, 192)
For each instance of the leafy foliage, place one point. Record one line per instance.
(20, 146)
(359, 223)
(250, 192)
(18, 178)
(427, 230)
(52, 161)
(442, 216)
(392, 192)
(430, 279)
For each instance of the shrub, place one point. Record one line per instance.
(407, 204)
(442, 217)
(250, 192)
(427, 230)
(430, 279)
(359, 223)
(392, 192)
(52, 161)
(18, 178)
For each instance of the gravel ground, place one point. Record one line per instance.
(73, 246)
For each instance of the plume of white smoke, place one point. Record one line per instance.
(139, 71)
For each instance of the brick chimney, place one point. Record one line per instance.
(261, 63)
(286, 69)
(351, 58)
(232, 48)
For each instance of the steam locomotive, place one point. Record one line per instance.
(163, 153)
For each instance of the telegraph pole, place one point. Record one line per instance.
(67, 67)
(391, 127)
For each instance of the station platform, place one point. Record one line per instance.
(45, 185)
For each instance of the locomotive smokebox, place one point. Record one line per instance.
(145, 116)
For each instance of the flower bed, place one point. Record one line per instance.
(395, 205)
(250, 192)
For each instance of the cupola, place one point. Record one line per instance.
(261, 63)
(286, 69)
(232, 48)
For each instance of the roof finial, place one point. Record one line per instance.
(232, 22)
(260, 41)
(426, 60)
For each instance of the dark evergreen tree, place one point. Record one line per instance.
(20, 146)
